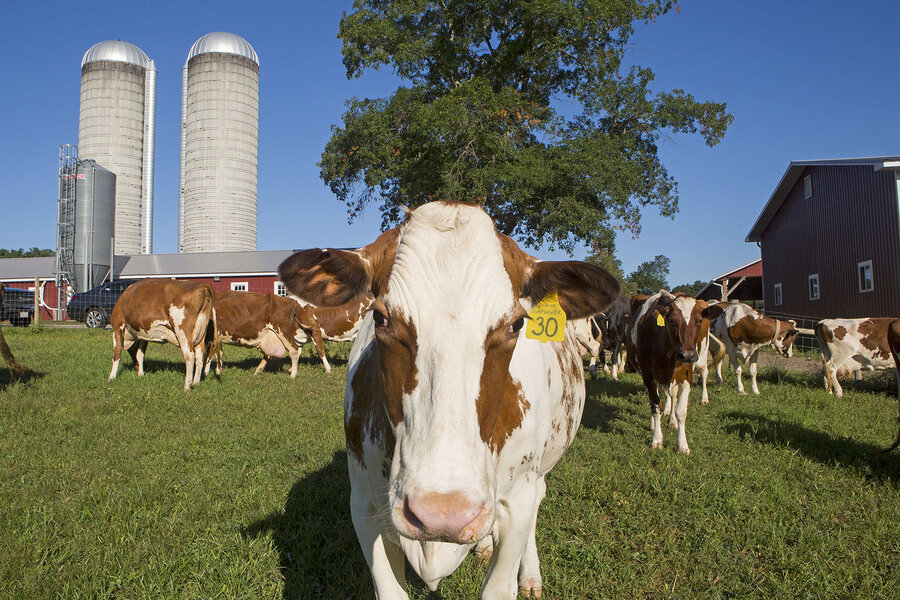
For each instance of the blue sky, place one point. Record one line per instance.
(804, 80)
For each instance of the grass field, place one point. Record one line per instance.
(238, 489)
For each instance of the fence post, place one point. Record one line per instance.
(37, 301)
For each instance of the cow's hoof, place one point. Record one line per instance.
(531, 590)
(704, 401)
(685, 450)
(656, 445)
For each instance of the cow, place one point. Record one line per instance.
(853, 343)
(612, 324)
(264, 321)
(666, 337)
(744, 331)
(16, 369)
(165, 310)
(587, 334)
(453, 416)
(333, 323)
(893, 337)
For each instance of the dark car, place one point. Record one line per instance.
(94, 306)
(18, 306)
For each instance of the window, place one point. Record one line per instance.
(280, 290)
(777, 294)
(238, 286)
(807, 187)
(866, 282)
(814, 286)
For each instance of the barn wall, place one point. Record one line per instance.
(851, 217)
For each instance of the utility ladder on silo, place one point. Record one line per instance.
(65, 224)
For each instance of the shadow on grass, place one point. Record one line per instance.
(600, 413)
(818, 446)
(7, 378)
(871, 383)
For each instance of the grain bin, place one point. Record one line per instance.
(95, 201)
(219, 144)
(116, 128)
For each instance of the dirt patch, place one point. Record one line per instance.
(804, 363)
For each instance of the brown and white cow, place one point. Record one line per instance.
(15, 368)
(666, 337)
(264, 321)
(333, 323)
(452, 416)
(853, 343)
(164, 310)
(893, 336)
(744, 331)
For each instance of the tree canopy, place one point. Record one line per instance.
(525, 107)
(22, 253)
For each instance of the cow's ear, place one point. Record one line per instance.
(711, 312)
(583, 289)
(637, 301)
(332, 277)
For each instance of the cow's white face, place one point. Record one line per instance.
(449, 309)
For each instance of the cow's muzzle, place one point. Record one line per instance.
(450, 517)
(688, 357)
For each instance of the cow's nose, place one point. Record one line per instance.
(689, 356)
(451, 517)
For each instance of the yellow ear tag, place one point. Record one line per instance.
(547, 320)
(659, 320)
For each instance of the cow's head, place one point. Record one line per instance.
(785, 335)
(686, 320)
(451, 298)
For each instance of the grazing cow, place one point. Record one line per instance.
(666, 336)
(893, 336)
(265, 321)
(165, 310)
(852, 343)
(612, 324)
(452, 415)
(744, 331)
(333, 323)
(587, 334)
(11, 362)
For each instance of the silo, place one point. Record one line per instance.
(95, 201)
(219, 143)
(116, 128)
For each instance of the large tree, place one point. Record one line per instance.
(523, 106)
(651, 275)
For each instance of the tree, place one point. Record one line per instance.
(651, 275)
(22, 253)
(480, 118)
(691, 289)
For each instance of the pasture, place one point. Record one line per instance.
(238, 489)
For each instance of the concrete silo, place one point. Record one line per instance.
(219, 143)
(116, 128)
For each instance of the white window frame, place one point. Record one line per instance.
(807, 187)
(818, 296)
(778, 299)
(239, 286)
(279, 289)
(859, 278)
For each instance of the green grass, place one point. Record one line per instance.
(238, 489)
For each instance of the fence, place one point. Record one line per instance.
(806, 341)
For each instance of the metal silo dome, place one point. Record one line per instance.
(117, 129)
(219, 145)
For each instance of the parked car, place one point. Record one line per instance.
(18, 306)
(94, 306)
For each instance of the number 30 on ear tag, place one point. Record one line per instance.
(547, 320)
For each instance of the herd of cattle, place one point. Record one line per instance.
(452, 417)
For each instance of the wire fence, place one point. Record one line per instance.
(806, 341)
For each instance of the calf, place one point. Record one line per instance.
(453, 416)
(893, 337)
(588, 336)
(612, 325)
(666, 335)
(265, 321)
(165, 310)
(744, 331)
(11, 362)
(333, 323)
(852, 343)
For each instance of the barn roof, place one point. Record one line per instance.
(793, 174)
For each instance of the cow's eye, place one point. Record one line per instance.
(380, 320)
(516, 325)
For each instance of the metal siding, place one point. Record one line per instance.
(851, 217)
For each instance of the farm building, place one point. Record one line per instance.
(829, 238)
(743, 284)
(254, 271)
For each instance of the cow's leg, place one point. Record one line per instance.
(897, 441)
(294, 352)
(384, 556)
(684, 391)
(188, 352)
(530, 568)
(484, 549)
(719, 369)
(139, 354)
(671, 398)
(704, 375)
(655, 417)
(262, 364)
(118, 344)
(753, 387)
(199, 361)
(619, 364)
(320, 348)
(512, 527)
(738, 371)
